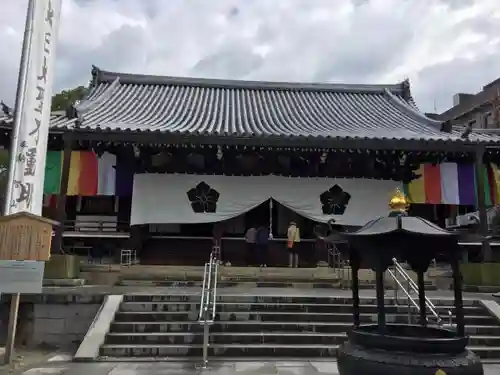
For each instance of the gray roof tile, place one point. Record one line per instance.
(193, 106)
(57, 119)
(120, 102)
(485, 136)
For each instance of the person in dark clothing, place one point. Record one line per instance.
(250, 239)
(262, 242)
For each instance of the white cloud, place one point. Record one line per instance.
(443, 46)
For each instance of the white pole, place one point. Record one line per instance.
(20, 94)
(30, 133)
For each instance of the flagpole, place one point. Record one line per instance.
(14, 150)
(20, 96)
(30, 131)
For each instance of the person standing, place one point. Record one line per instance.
(293, 237)
(262, 244)
(250, 239)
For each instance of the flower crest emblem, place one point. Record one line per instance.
(334, 201)
(203, 198)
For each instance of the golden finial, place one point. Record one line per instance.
(440, 372)
(398, 201)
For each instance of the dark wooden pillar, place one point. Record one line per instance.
(421, 298)
(457, 289)
(354, 260)
(379, 274)
(481, 206)
(57, 241)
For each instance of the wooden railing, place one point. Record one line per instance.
(96, 226)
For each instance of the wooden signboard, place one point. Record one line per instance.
(24, 236)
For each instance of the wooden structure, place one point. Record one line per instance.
(225, 127)
(24, 236)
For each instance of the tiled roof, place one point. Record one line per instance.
(485, 136)
(56, 120)
(5, 119)
(192, 106)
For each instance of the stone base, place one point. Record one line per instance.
(409, 350)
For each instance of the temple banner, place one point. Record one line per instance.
(452, 183)
(31, 129)
(185, 199)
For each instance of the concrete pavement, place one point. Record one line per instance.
(225, 368)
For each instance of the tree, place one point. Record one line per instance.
(62, 100)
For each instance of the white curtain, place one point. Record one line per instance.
(189, 199)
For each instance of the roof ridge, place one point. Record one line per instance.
(103, 76)
(404, 107)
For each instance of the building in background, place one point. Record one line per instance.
(477, 111)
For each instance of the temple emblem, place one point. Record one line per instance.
(334, 201)
(203, 198)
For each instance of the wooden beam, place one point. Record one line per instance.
(275, 141)
(57, 241)
(11, 329)
(481, 205)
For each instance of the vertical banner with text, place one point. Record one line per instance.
(31, 144)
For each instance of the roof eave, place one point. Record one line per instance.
(157, 137)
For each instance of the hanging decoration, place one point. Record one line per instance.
(89, 175)
(183, 198)
(452, 183)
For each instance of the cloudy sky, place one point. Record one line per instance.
(443, 46)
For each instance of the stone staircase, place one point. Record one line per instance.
(274, 277)
(249, 327)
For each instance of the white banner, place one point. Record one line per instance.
(31, 145)
(186, 199)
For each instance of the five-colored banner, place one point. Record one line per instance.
(452, 183)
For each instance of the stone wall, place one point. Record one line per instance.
(62, 325)
(53, 320)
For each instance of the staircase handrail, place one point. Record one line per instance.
(203, 290)
(414, 287)
(208, 300)
(410, 298)
(214, 294)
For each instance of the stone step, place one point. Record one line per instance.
(245, 298)
(226, 350)
(278, 338)
(249, 326)
(279, 316)
(313, 307)
(238, 283)
(334, 283)
(486, 352)
(245, 351)
(260, 326)
(181, 338)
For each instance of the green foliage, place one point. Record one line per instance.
(62, 100)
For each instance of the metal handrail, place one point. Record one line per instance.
(204, 286)
(410, 298)
(214, 294)
(413, 286)
(208, 300)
